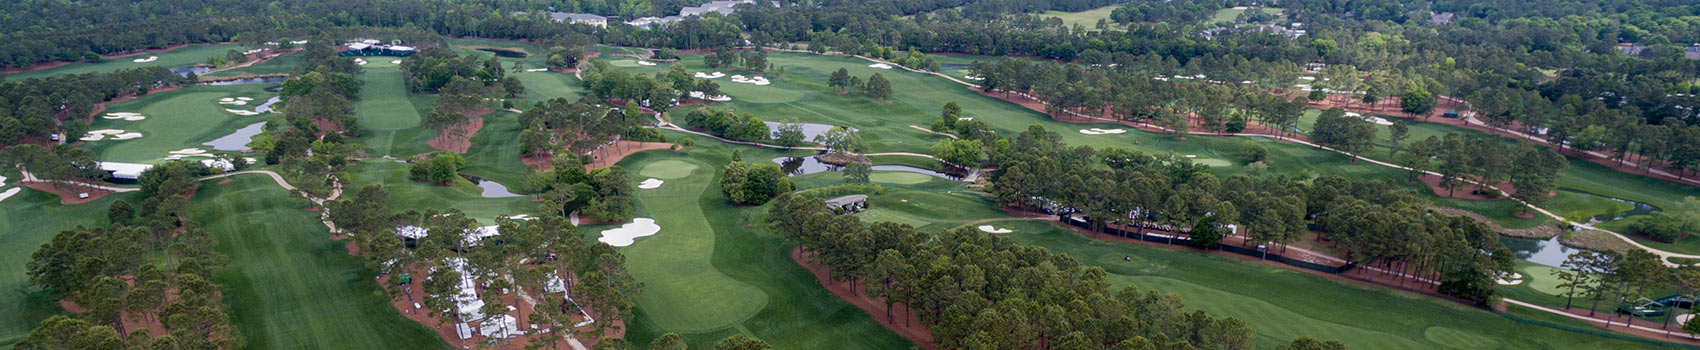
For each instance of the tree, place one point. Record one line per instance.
(669, 341)
(840, 79)
(878, 87)
(790, 134)
(1417, 101)
(966, 153)
(512, 86)
(1395, 133)
(842, 139)
(1573, 274)
(740, 342)
(1253, 151)
(857, 172)
(1207, 232)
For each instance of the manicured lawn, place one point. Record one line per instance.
(384, 104)
(791, 310)
(1087, 19)
(280, 65)
(287, 285)
(183, 118)
(1281, 304)
(181, 57)
(28, 220)
(406, 194)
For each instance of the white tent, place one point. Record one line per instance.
(504, 326)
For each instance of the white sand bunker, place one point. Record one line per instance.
(650, 184)
(97, 135)
(2, 180)
(880, 66)
(990, 229)
(973, 77)
(1308, 78)
(395, 61)
(519, 217)
(624, 236)
(1097, 131)
(717, 98)
(1510, 279)
(241, 112)
(757, 80)
(145, 60)
(537, 69)
(9, 193)
(127, 136)
(245, 98)
(126, 116)
(360, 61)
(715, 75)
(190, 153)
(1192, 156)
(646, 63)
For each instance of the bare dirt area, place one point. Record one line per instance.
(611, 154)
(457, 138)
(68, 195)
(903, 322)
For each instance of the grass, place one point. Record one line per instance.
(1229, 14)
(406, 194)
(280, 65)
(178, 119)
(1281, 304)
(1086, 19)
(289, 286)
(791, 310)
(181, 57)
(28, 220)
(539, 86)
(384, 103)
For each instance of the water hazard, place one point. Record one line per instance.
(237, 141)
(809, 165)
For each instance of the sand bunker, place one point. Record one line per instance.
(1308, 78)
(127, 136)
(145, 60)
(715, 75)
(245, 98)
(646, 63)
(537, 69)
(757, 80)
(1097, 131)
(519, 217)
(126, 116)
(241, 112)
(624, 236)
(717, 98)
(973, 77)
(2, 180)
(650, 184)
(360, 61)
(880, 66)
(187, 151)
(990, 229)
(395, 62)
(9, 193)
(97, 135)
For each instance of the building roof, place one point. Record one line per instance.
(840, 201)
(575, 17)
(125, 170)
(1691, 52)
(358, 46)
(725, 7)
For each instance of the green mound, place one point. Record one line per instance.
(1460, 339)
(899, 177)
(668, 169)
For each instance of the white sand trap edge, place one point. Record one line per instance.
(145, 60)
(626, 234)
(189, 151)
(650, 184)
(1510, 283)
(646, 63)
(880, 66)
(990, 229)
(1098, 131)
(2, 180)
(9, 193)
(395, 62)
(537, 69)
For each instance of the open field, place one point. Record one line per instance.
(1087, 19)
(287, 285)
(1281, 304)
(790, 310)
(28, 220)
(177, 119)
(181, 57)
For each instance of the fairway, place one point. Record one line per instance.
(683, 292)
(1281, 304)
(384, 105)
(180, 57)
(28, 220)
(178, 119)
(288, 285)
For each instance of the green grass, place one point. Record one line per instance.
(384, 104)
(899, 177)
(178, 119)
(1281, 304)
(28, 220)
(406, 194)
(1087, 19)
(280, 65)
(180, 57)
(1581, 207)
(1229, 14)
(792, 310)
(918, 162)
(539, 86)
(287, 285)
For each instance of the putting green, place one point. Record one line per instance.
(1540, 279)
(899, 177)
(683, 290)
(668, 169)
(1460, 339)
(625, 63)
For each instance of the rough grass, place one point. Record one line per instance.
(181, 57)
(1281, 304)
(287, 285)
(176, 119)
(28, 220)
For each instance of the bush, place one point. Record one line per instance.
(1660, 226)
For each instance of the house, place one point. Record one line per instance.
(579, 18)
(724, 7)
(377, 48)
(124, 173)
(1691, 52)
(1631, 49)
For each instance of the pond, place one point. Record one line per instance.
(260, 80)
(793, 166)
(810, 130)
(267, 107)
(1547, 252)
(197, 69)
(237, 141)
(493, 189)
(506, 53)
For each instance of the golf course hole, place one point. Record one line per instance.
(627, 234)
(668, 169)
(1459, 339)
(899, 177)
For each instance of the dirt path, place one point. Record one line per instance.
(611, 153)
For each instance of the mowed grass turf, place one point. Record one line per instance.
(287, 285)
(28, 220)
(280, 65)
(1087, 19)
(180, 57)
(178, 119)
(1229, 14)
(683, 292)
(384, 103)
(406, 194)
(1281, 304)
(797, 312)
(539, 86)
